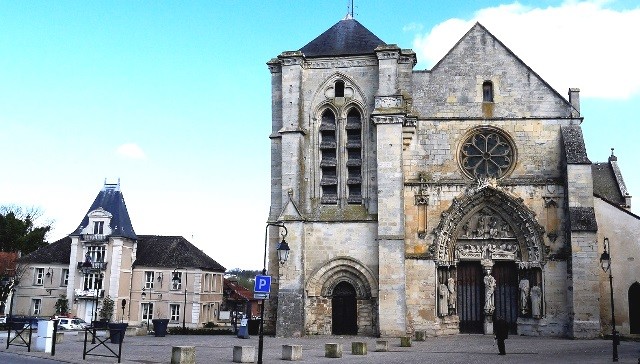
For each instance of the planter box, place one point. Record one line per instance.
(160, 327)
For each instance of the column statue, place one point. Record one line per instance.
(536, 301)
(451, 286)
(524, 295)
(443, 294)
(489, 287)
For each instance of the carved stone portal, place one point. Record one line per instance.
(487, 223)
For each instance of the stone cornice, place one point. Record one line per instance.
(387, 119)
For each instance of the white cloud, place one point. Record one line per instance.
(580, 44)
(131, 151)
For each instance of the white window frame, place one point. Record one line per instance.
(65, 277)
(98, 253)
(38, 279)
(98, 227)
(149, 276)
(92, 281)
(174, 311)
(176, 286)
(36, 306)
(146, 309)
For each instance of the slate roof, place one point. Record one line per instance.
(111, 200)
(574, 148)
(56, 252)
(605, 184)
(346, 38)
(172, 252)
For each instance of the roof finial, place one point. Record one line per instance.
(612, 157)
(349, 10)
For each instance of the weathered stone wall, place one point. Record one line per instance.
(421, 296)
(453, 88)
(623, 231)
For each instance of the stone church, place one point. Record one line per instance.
(437, 200)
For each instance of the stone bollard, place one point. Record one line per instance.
(382, 345)
(333, 350)
(420, 336)
(59, 337)
(405, 341)
(244, 354)
(292, 352)
(183, 355)
(358, 348)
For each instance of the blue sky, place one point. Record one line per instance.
(173, 97)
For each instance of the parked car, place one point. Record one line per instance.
(67, 324)
(3, 320)
(80, 323)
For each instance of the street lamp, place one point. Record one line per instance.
(605, 263)
(87, 268)
(176, 279)
(283, 255)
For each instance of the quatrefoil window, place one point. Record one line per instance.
(487, 153)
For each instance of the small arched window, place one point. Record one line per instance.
(339, 87)
(487, 91)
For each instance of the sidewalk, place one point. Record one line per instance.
(448, 349)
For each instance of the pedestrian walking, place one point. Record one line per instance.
(501, 333)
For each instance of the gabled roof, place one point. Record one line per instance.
(111, 199)
(237, 292)
(346, 38)
(56, 252)
(574, 149)
(608, 183)
(477, 27)
(172, 252)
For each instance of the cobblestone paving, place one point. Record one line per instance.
(451, 349)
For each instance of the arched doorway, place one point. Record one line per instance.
(634, 313)
(470, 297)
(344, 313)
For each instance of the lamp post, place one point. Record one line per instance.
(143, 295)
(87, 268)
(177, 280)
(605, 263)
(283, 255)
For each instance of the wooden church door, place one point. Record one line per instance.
(344, 311)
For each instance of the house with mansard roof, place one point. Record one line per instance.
(152, 276)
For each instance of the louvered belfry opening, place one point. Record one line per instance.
(354, 157)
(328, 158)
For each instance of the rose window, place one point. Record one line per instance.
(487, 154)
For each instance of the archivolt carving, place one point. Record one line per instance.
(487, 223)
(342, 269)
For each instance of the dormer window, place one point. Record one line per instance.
(98, 227)
(487, 91)
(339, 88)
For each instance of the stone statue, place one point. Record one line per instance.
(524, 295)
(536, 301)
(489, 287)
(443, 294)
(451, 286)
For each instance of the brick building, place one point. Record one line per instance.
(435, 200)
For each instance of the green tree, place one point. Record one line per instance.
(18, 229)
(106, 311)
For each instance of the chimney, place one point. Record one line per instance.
(574, 100)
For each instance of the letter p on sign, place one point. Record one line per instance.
(262, 285)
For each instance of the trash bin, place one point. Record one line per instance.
(254, 327)
(117, 331)
(243, 330)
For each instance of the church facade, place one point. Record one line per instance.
(437, 200)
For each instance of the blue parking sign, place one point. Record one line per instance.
(262, 285)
